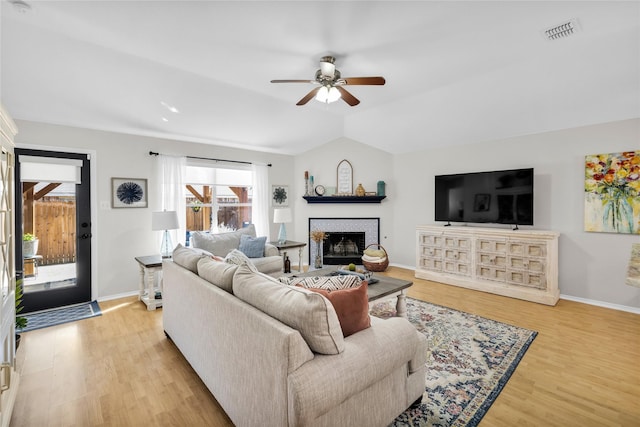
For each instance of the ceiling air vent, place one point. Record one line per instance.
(562, 30)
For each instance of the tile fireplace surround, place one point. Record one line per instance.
(370, 227)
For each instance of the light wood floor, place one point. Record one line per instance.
(118, 369)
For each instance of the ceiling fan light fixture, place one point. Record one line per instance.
(328, 94)
(327, 69)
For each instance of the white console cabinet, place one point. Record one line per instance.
(515, 263)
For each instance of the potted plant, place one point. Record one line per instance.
(21, 321)
(29, 245)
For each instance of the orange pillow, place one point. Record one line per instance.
(352, 307)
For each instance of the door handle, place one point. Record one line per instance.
(85, 236)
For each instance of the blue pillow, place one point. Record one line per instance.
(252, 247)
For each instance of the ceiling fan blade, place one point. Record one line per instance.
(308, 96)
(293, 81)
(364, 80)
(347, 97)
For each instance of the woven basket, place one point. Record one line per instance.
(377, 266)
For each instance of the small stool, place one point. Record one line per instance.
(33, 260)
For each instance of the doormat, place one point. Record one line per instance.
(469, 360)
(58, 316)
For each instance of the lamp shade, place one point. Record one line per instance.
(282, 215)
(165, 220)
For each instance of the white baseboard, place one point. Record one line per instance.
(618, 307)
(612, 306)
(123, 295)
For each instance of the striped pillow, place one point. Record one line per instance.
(328, 283)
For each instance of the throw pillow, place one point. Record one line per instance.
(328, 283)
(253, 247)
(220, 243)
(305, 311)
(238, 258)
(217, 273)
(352, 307)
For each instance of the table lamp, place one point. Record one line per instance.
(165, 220)
(280, 216)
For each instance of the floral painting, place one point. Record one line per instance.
(612, 193)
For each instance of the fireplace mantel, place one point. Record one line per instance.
(343, 199)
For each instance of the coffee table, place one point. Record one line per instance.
(384, 287)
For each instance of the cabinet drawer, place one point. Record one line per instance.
(431, 251)
(527, 279)
(491, 245)
(529, 264)
(430, 239)
(433, 264)
(457, 242)
(492, 259)
(456, 255)
(492, 273)
(462, 269)
(528, 249)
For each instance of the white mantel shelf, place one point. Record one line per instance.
(515, 263)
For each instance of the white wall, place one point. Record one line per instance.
(119, 235)
(369, 166)
(592, 265)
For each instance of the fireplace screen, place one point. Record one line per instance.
(345, 239)
(343, 248)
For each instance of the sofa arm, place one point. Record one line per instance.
(270, 250)
(369, 356)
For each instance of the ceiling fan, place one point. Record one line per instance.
(331, 84)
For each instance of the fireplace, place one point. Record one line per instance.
(345, 239)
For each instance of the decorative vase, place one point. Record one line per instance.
(618, 215)
(318, 260)
(359, 190)
(381, 189)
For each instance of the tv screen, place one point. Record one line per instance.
(500, 197)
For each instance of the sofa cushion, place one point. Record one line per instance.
(329, 283)
(217, 273)
(352, 307)
(221, 243)
(253, 247)
(308, 312)
(187, 257)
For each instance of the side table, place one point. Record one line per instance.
(290, 244)
(149, 265)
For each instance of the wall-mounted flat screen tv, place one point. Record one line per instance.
(500, 197)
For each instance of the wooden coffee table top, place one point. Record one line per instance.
(384, 287)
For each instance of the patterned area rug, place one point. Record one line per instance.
(57, 316)
(470, 359)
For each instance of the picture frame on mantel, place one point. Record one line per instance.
(344, 178)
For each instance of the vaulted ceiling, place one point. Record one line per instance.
(457, 72)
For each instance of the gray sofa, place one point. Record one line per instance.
(220, 244)
(274, 355)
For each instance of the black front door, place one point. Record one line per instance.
(53, 213)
